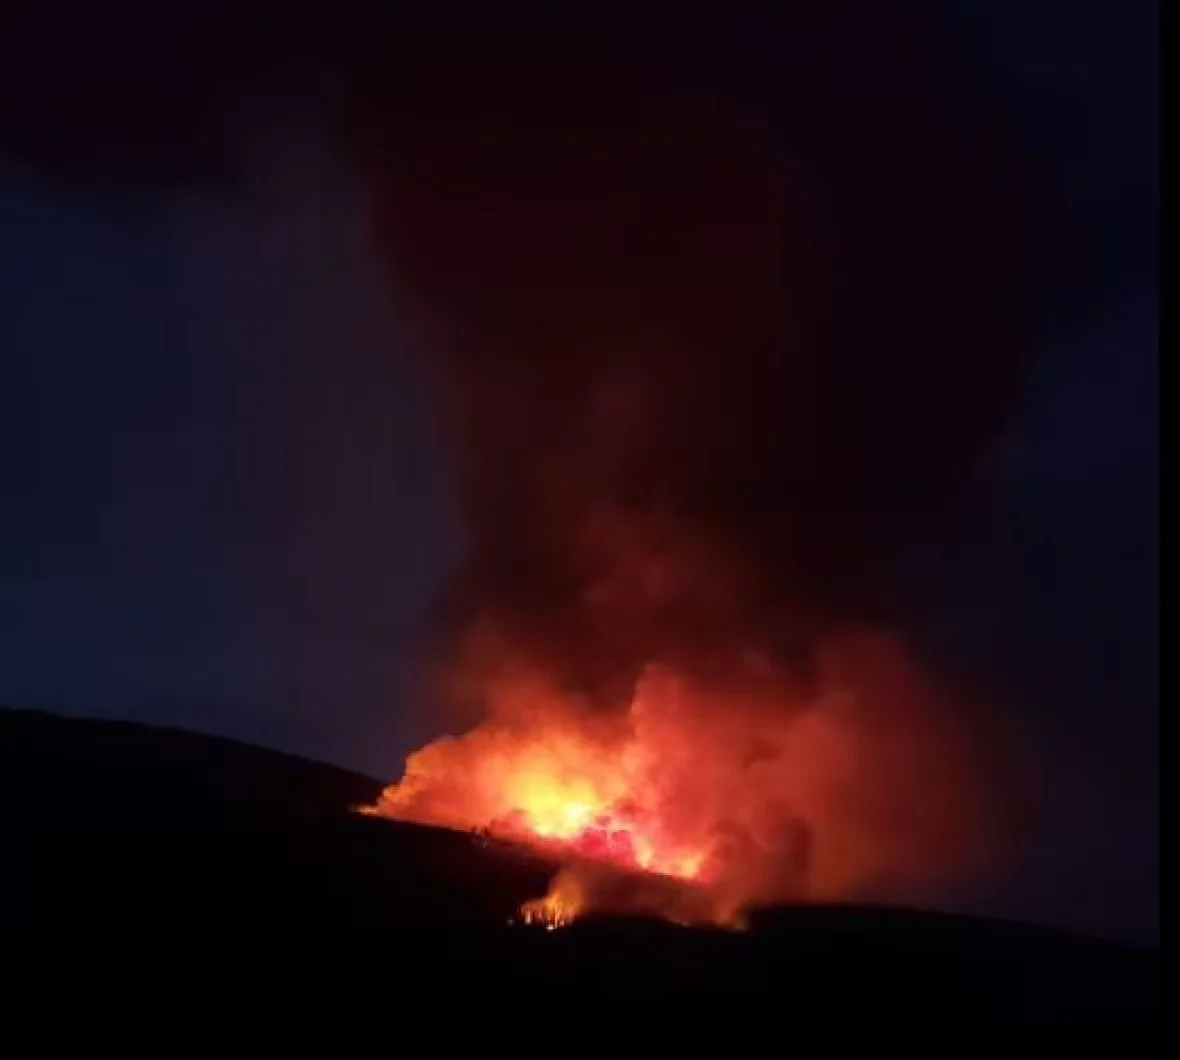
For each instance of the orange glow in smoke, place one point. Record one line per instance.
(731, 799)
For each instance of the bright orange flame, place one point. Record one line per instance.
(567, 783)
(564, 902)
(729, 798)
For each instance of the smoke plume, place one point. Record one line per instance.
(705, 356)
(705, 353)
(719, 312)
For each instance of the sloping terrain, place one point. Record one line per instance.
(137, 858)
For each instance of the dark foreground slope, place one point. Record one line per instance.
(140, 860)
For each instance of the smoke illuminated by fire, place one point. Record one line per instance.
(702, 367)
(703, 803)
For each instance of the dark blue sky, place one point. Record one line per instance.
(166, 542)
(223, 508)
(1063, 595)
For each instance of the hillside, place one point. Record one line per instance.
(136, 856)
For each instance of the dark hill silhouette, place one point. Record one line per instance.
(139, 859)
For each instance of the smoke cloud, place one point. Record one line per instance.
(706, 352)
(720, 308)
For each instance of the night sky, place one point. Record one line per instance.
(226, 506)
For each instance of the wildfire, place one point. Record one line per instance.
(565, 900)
(568, 783)
(695, 804)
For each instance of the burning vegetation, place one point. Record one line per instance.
(696, 803)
